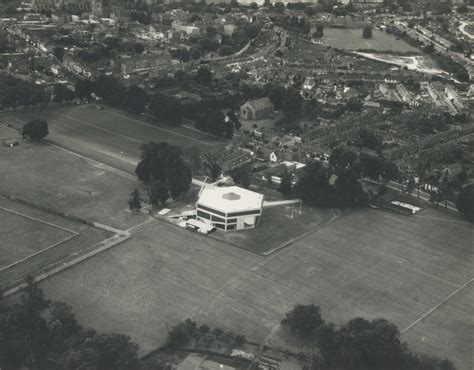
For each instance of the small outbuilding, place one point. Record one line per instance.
(229, 208)
(256, 109)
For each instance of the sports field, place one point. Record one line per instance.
(110, 135)
(276, 228)
(33, 241)
(351, 39)
(21, 244)
(415, 271)
(66, 182)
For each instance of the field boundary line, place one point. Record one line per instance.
(98, 248)
(434, 308)
(4, 268)
(106, 166)
(98, 127)
(159, 128)
(305, 234)
(69, 151)
(118, 237)
(38, 220)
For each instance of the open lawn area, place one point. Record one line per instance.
(351, 39)
(51, 177)
(277, 228)
(409, 270)
(33, 241)
(110, 136)
(66, 182)
(24, 235)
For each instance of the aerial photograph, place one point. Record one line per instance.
(236, 185)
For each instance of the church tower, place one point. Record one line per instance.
(96, 8)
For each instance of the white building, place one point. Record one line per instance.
(229, 208)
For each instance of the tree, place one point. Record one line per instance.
(279, 7)
(389, 171)
(138, 48)
(371, 166)
(109, 89)
(342, 158)
(158, 192)
(166, 107)
(241, 176)
(465, 202)
(59, 53)
(35, 130)
(367, 32)
(204, 76)
(348, 191)
(462, 9)
(313, 185)
(136, 99)
(319, 31)
(59, 93)
(369, 345)
(292, 104)
(164, 163)
(114, 351)
(83, 89)
(181, 334)
(213, 169)
(429, 49)
(179, 179)
(38, 334)
(134, 202)
(30, 325)
(303, 321)
(286, 186)
(276, 93)
(192, 154)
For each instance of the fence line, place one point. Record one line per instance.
(118, 237)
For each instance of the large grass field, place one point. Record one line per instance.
(66, 182)
(111, 135)
(277, 229)
(22, 244)
(415, 271)
(351, 39)
(33, 241)
(367, 263)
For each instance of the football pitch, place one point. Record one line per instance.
(414, 271)
(110, 136)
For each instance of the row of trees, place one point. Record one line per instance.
(36, 333)
(338, 184)
(357, 344)
(15, 92)
(189, 334)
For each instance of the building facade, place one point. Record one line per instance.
(229, 208)
(256, 109)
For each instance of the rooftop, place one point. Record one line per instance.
(230, 199)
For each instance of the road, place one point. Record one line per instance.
(414, 34)
(462, 29)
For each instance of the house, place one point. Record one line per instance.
(141, 62)
(256, 109)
